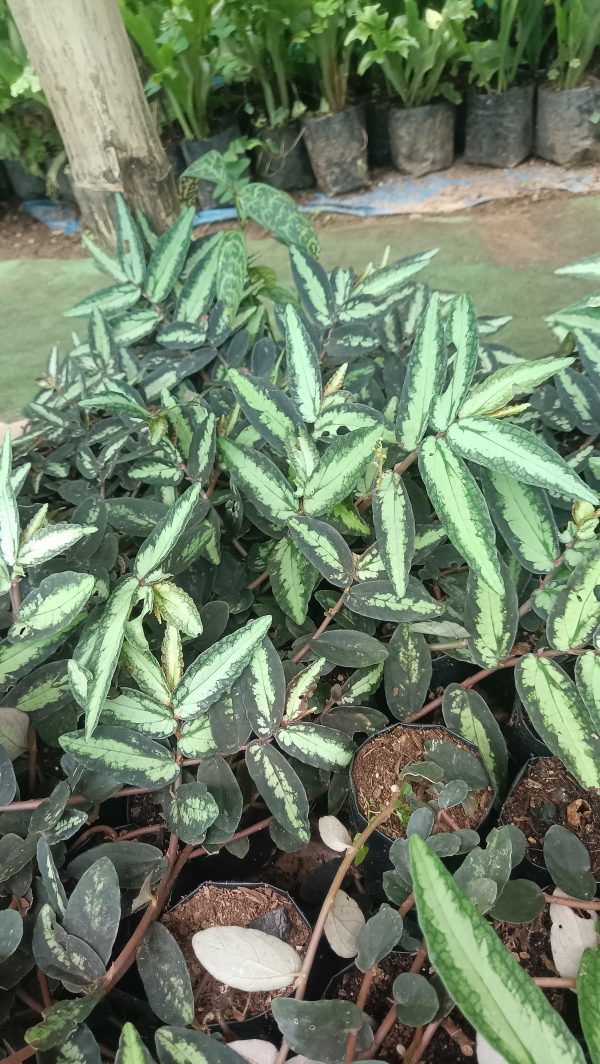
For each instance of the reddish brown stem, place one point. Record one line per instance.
(75, 799)
(96, 829)
(361, 1000)
(555, 981)
(461, 1039)
(44, 990)
(323, 625)
(31, 757)
(390, 1017)
(136, 833)
(258, 581)
(572, 903)
(15, 598)
(428, 1035)
(243, 834)
(21, 1054)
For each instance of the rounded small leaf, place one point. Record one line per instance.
(378, 937)
(416, 999)
(246, 959)
(568, 862)
(342, 925)
(334, 834)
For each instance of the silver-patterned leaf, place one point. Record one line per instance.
(424, 377)
(337, 474)
(394, 528)
(302, 360)
(524, 518)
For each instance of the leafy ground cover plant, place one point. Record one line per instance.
(239, 516)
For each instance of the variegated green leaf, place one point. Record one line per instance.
(130, 247)
(168, 258)
(575, 612)
(336, 476)
(124, 755)
(301, 688)
(395, 529)
(377, 599)
(18, 659)
(131, 1049)
(53, 605)
(55, 892)
(292, 579)
(490, 987)
(259, 478)
(461, 509)
(467, 714)
(136, 710)
(231, 274)
(93, 912)
(277, 212)
(559, 716)
(303, 366)
(166, 532)
(113, 300)
(50, 541)
(165, 976)
(9, 514)
(347, 648)
(196, 739)
(490, 619)
(172, 604)
(580, 399)
(214, 671)
(108, 641)
(262, 688)
(463, 334)
(191, 813)
(587, 677)
(424, 377)
(324, 548)
(524, 519)
(61, 1019)
(588, 350)
(63, 956)
(176, 1045)
(280, 788)
(145, 670)
(522, 376)
(268, 409)
(388, 280)
(588, 992)
(406, 672)
(312, 285)
(324, 748)
(199, 287)
(201, 455)
(518, 453)
(157, 471)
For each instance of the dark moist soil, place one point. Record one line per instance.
(530, 946)
(444, 1049)
(289, 869)
(548, 795)
(377, 767)
(143, 811)
(213, 906)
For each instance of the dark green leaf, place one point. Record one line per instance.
(165, 976)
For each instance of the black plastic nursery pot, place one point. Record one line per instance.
(446, 670)
(378, 116)
(543, 793)
(26, 186)
(565, 130)
(195, 149)
(521, 740)
(387, 761)
(214, 904)
(499, 127)
(422, 138)
(337, 148)
(289, 167)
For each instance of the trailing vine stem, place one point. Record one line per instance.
(315, 938)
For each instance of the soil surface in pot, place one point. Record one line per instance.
(143, 811)
(546, 795)
(213, 906)
(444, 1049)
(530, 946)
(378, 764)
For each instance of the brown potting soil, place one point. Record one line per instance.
(546, 795)
(377, 767)
(530, 946)
(443, 1049)
(213, 906)
(143, 811)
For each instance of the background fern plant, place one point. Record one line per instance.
(238, 515)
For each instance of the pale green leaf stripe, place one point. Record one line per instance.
(196, 739)
(589, 267)
(267, 409)
(559, 716)
(134, 709)
(259, 479)
(383, 282)
(301, 687)
(325, 748)
(166, 532)
(588, 349)
(108, 641)
(19, 658)
(168, 257)
(292, 579)
(512, 450)
(131, 1048)
(130, 247)
(463, 333)
(199, 287)
(500, 387)
(52, 605)
(113, 300)
(231, 275)
(122, 754)
(588, 995)
(303, 366)
(312, 284)
(575, 613)
(143, 666)
(491, 989)
(9, 513)
(461, 509)
(580, 400)
(214, 671)
(324, 548)
(467, 714)
(263, 689)
(587, 678)
(394, 528)
(280, 787)
(424, 376)
(344, 461)
(377, 599)
(524, 518)
(176, 1045)
(491, 619)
